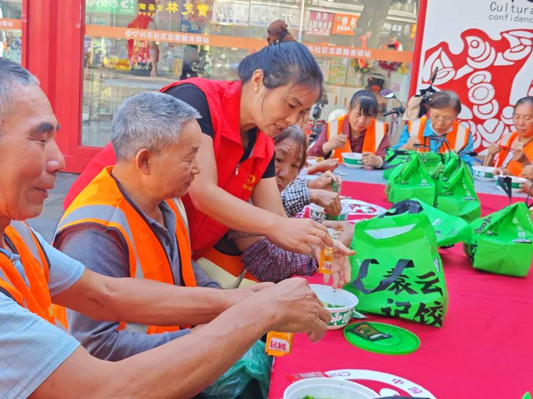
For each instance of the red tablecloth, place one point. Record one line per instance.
(484, 349)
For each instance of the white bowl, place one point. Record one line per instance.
(314, 160)
(516, 183)
(340, 316)
(352, 159)
(483, 173)
(316, 212)
(326, 388)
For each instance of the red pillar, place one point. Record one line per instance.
(53, 51)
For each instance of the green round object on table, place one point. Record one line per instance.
(381, 338)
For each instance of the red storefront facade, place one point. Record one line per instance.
(56, 35)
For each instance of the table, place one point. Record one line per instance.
(376, 176)
(483, 350)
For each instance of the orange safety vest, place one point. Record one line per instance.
(102, 203)
(513, 166)
(374, 135)
(457, 138)
(227, 270)
(34, 294)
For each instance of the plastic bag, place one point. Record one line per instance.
(248, 378)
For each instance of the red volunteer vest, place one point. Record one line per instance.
(237, 178)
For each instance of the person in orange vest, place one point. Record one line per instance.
(515, 151)
(277, 87)
(357, 131)
(41, 360)
(439, 131)
(122, 225)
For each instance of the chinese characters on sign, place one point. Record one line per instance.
(263, 15)
(344, 24)
(339, 51)
(320, 23)
(231, 13)
(142, 34)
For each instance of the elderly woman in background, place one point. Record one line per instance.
(439, 131)
(515, 151)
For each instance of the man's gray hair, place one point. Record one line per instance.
(12, 75)
(149, 120)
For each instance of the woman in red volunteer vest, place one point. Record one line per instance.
(277, 88)
(515, 152)
(357, 131)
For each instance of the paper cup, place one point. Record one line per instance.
(483, 173)
(352, 159)
(344, 303)
(317, 213)
(516, 183)
(328, 388)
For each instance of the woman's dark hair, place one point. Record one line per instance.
(367, 102)
(445, 99)
(282, 64)
(278, 32)
(295, 134)
(523, 100)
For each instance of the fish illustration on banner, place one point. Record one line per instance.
(489, 74)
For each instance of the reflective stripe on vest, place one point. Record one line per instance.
(334, 128)
(374, 135)
(102, 203)
(29, 288)
(232, 275)
(457, 139)
(501, 157)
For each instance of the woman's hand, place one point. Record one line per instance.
(323, 166)
(341, 270)
(329, 200)
(336, 141)
(325, 181)
(527, 172)
(518, 151)
(410, 145)
(345, 231)
(370, 159)
(297, 235)
(493, 149)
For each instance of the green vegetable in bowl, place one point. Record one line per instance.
(329, 305)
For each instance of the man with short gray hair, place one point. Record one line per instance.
(40, 360)
(125, 223)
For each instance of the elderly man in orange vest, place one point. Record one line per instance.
(39, 359)
(122, 225)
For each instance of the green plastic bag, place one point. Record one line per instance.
(249, 378)
(397, 270)
(449, 229)
(411, 181)
(433, 162)
(393, 159)
(503, 241)
(457, 195)
(451, 162)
